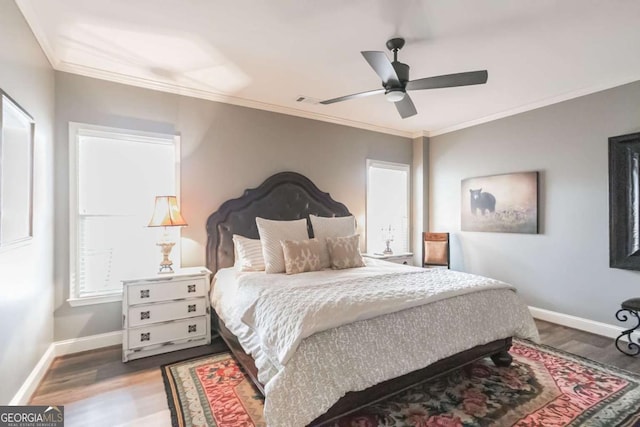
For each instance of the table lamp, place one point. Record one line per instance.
(166, 214)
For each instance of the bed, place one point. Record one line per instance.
(291, 196)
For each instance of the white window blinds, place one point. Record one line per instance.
(387, 206)
(117, 176)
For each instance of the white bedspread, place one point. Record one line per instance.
(283, 313)
(303, 383)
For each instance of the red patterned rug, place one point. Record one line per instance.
(543, 387)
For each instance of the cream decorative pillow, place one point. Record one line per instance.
(331, 227)
(301, 255)
(271, 233)
(345, 252)
(248, 253)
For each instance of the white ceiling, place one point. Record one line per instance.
(264, 54)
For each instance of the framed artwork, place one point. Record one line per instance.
(16, 172)
(505, 203)
(624, 201)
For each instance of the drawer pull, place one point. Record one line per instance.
(192, 328)
(145, 336)
(191, 288)
(191, 307)
(144, 293)
(145, 315)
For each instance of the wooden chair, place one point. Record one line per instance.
(435, 249)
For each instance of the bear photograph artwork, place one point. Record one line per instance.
(501, 203)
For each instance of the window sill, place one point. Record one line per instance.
(101, 299)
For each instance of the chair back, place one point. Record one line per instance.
(435, 249)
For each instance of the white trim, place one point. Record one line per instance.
(382, 164)
(76, 132)
(92, 342)
(580, 323)
(259, 105)
(61, 348)
(219, 97)
(27, 9)
(98, 299)
(32, 382)
(535, 105)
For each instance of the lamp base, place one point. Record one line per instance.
(166, 263)
(387, 250)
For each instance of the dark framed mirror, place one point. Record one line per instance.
(624, 201)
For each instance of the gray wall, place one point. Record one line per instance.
(225, 149)
(26, 272)
(566, 267)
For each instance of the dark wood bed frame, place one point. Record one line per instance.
(289, 196)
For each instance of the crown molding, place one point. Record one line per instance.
(29, 14)
(218, 97)
(535, 105)
(28, 11)
(420, 133)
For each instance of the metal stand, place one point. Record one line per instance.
(630, 348)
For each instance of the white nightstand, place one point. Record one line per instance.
(400, 258)
(165, 312)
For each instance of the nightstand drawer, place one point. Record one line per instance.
(165, 332)
(406, 260)
(166, 290)
(144, 314)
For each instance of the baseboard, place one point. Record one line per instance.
(92, 342)
(598, 328)
(77, 345)
(61, 348)
(23, 395)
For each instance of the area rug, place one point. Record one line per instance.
(543, 387)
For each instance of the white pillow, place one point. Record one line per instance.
(331, 227)
(248, 253)
(271, 233)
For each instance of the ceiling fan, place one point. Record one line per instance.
(396, 83)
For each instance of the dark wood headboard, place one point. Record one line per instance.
(283, 196)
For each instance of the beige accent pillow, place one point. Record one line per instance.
(345, 252)
(248, 253)
(301, 255)
(324, 227)
(271, 233)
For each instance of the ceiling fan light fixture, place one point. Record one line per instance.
(394, 95)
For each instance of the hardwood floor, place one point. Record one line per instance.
(97, 389)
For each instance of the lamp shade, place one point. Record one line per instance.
(167, 213)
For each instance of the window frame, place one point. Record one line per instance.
(76, 131)
(392, 166)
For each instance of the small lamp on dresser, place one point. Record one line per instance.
(166, 214)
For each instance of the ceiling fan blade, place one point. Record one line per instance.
(405, 107)
(449, 80)
(382, 66)
(353, 96)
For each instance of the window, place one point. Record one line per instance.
(387, 206)
(114, 178)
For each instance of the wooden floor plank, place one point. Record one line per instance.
(97, 389)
